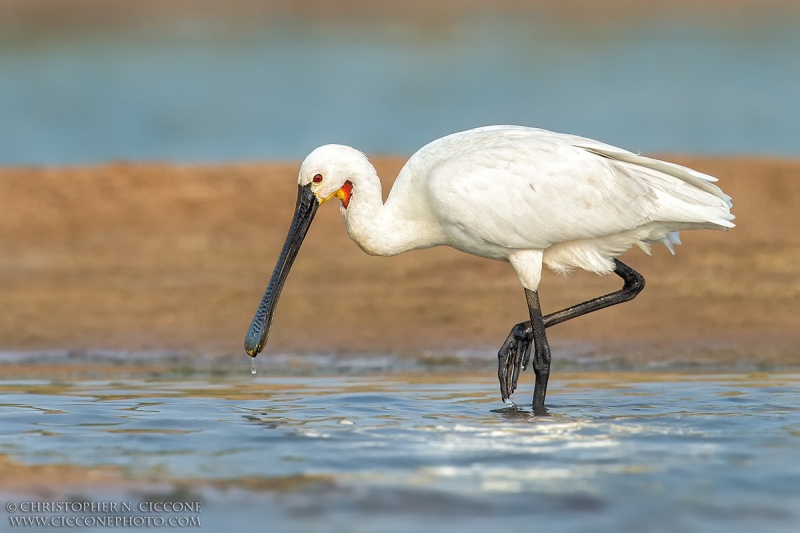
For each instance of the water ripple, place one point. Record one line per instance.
(639, 452)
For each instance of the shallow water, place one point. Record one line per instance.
(429, 451)
(208, 93)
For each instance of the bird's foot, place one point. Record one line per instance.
(513, 358)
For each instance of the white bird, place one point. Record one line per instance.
(526, 196)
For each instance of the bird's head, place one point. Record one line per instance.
(328, 172)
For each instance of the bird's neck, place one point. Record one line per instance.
(378, 228)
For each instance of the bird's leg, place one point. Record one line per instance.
(634, 283)
(514, 355)
(541, 355)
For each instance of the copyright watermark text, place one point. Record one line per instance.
(104, 514)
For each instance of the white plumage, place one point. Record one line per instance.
(527, 196)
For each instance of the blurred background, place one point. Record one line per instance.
(149, 152)
(88, 81)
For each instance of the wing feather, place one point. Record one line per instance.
(522, 188)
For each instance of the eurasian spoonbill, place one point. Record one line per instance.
(526, 196)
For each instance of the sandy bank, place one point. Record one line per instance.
(428, 13)
(161, 257)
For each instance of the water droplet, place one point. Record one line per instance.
(253, 366)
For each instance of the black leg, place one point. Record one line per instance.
(515, 353)
(541, 356)
(634, 283)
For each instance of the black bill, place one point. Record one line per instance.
(304, 211)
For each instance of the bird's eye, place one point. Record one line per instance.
(317, 178)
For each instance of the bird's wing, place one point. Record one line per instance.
(691, 176)
(521, 188)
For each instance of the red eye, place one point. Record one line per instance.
(317, 178)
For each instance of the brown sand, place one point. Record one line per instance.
(50, 14)
(160, 257)
(64, 480)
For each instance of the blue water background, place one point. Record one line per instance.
(201, 93)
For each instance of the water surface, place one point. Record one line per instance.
(429, 451)
(207, 93)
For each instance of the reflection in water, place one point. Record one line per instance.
(638, 452)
